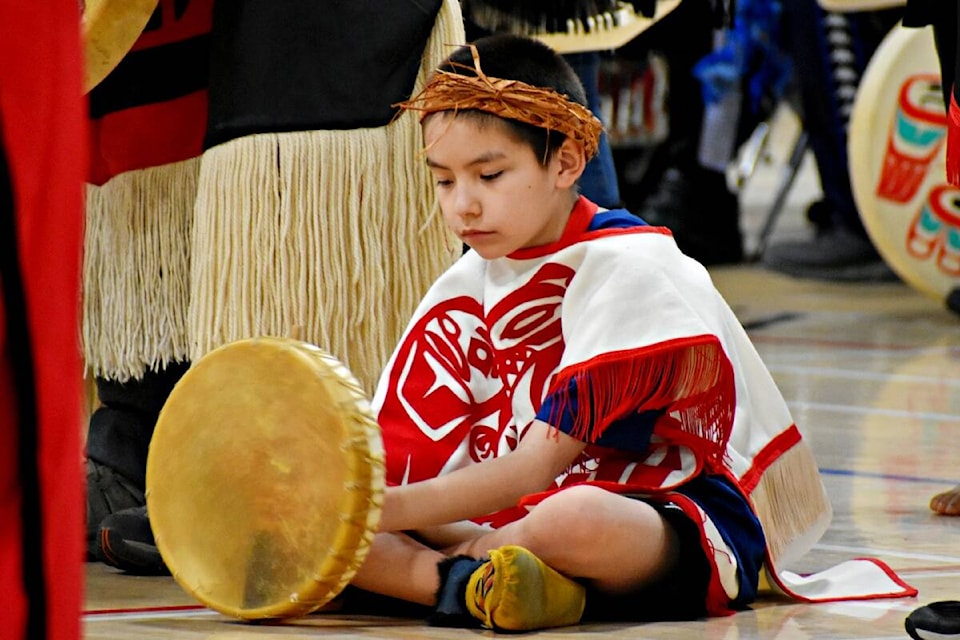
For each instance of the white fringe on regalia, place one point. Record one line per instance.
(328, 236)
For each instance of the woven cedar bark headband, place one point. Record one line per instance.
(511, 99)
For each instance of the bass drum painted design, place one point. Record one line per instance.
(897, 149)
(265, 479)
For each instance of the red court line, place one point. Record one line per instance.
(945, 568)
(163, 609)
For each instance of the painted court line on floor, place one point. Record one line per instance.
(872, 411)
(854, 473)
(149, 613)
(856, 374)
(890, 553)
(861, 348)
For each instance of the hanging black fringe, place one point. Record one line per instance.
(552, 16)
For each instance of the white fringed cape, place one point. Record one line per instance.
(645, 324)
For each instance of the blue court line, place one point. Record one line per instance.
(887, 476)
(147, 614)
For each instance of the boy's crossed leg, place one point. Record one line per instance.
(529, 574)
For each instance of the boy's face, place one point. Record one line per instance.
(493, 191)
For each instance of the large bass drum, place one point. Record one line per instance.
(897, 163)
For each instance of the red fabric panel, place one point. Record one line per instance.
(148, 136)
(953, 141)
(44, 134)
(150, 131)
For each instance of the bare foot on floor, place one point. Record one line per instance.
(947, 503)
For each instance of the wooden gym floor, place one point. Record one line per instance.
(872, 376)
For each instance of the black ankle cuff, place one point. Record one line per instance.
(451, 610)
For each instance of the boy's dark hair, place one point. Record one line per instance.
(513, 57)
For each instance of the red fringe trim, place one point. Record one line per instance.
(953, 140)
(690, 378)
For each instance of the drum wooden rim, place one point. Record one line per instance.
(850, 6)
(604, 39)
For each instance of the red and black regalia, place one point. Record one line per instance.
(147, 122)
(943, 16)
(315, 209)
(250, 178)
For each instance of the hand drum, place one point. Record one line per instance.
(265, 479)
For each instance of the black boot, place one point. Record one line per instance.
(451, 610)
(107, 492)
(127, 543)
(836, 251)
(117, 443)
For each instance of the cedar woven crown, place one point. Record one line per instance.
(511, 99)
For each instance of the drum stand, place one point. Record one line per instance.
(754, 149)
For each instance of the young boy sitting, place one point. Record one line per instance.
(575, 423)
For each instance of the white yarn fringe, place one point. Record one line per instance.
(792, 505)
(136, 269)
(332, 235)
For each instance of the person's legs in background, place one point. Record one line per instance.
(118, 440)
(137, 258)
(674, 189)
(599, 181)
(943, 17)
(830, 52)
